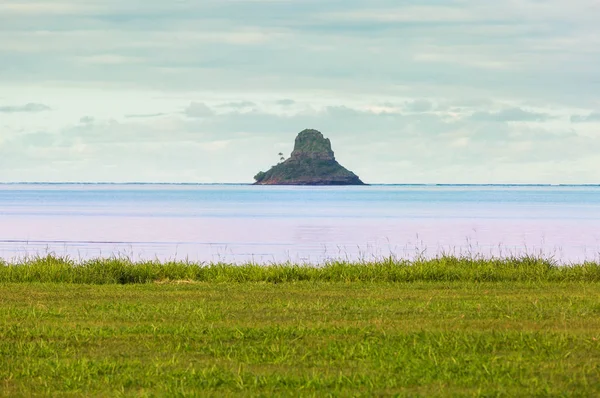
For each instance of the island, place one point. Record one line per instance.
(311, 163)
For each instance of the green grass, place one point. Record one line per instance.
(442, 269)
(446, 327)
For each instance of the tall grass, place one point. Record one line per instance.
(52, 269)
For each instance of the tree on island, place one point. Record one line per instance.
(311, 163)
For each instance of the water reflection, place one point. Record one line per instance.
(278, 224)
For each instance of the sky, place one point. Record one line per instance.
(209, 91)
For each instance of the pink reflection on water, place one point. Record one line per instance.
(265, 240)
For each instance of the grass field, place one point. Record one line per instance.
(446, 327)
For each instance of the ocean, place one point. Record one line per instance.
(273, 224)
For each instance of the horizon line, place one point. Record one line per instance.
(251, 184)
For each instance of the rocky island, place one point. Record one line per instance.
(311, 163)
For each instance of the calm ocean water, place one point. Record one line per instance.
(238, 223)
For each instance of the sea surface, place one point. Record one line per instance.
(267, 224)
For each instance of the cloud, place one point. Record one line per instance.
(144, 115)
(511, 115)
(379, 146)
(404, 14)
(86, 120)
(30, 107)
(518, 49)
(437, 104)
(591, 118)
(418, 106)
(38, 139)
(110, 59)
(472, 103)
(198, 110)
(238, 104)
(45, 8)
(285, 102)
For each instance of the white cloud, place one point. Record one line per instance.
(404, 14)
(198, 109)
(30, 107)
(590, 118)
(109, 59)
(511, 115)
(27, 8)
(420, 105)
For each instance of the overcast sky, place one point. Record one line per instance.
(427, 91)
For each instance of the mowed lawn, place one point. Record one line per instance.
(311, 338)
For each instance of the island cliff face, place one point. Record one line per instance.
(312, 163)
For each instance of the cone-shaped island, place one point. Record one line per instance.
(312, 163)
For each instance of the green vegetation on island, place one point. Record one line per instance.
(442, 327)
(311, 163)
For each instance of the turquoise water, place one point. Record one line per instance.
(238, 223)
